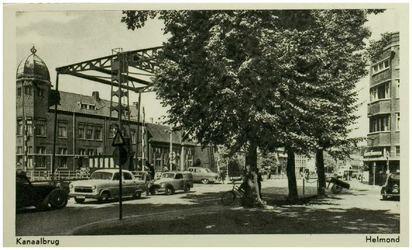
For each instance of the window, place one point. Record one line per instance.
(124, 131)
(127, 176)
(29, 127)
(40, 92)
(19, 150)
(381, 66)
(398, 121)
(97, 133)
(40, 161)
(19, 127)
(41, 150)
(113, 130)
(380, 123)
(18, 91)
(28, 90)
(62, 162)
(398, 151)
(89, 133)
(380, 92)
(81, 131)
(82, 151)
(88, 106)
(62, 129)
(398, 86)
(41, 128)
(133, 135)
(90, 152)
(62, 151)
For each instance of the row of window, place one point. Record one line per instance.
(381, 66)
(382, 123)
(85, 131)
(28, 90)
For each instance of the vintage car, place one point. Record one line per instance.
(203, 175)
(391, 188)
(40, 195)
(104, 185)
(170, 182)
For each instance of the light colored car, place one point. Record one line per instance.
(203, 175)
(170, 182)
(104, 184)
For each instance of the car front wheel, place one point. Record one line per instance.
(58, 198)
(137, 195)
(104, 197)
(205, 181)
(169, 191)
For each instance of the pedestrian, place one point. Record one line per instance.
(269, 173)
(151, 170)
(222, 176)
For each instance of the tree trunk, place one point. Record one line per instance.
(251, 160)
(320, 169)
(290, 172)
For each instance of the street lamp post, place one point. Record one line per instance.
(171, 148)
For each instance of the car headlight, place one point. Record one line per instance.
(94, 187)
(163, 185)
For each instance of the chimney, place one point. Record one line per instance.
(95, 95)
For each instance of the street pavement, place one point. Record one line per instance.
(354, 211)
(358, 210)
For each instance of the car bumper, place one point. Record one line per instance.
(84, 195)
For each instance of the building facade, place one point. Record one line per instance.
(85, 130)
(383, 139)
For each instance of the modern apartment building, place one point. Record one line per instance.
(383, 146)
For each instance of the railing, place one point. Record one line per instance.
(59, 175)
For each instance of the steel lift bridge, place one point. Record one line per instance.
(123, 72)
(119, 72)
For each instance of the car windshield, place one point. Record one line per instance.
(208, 170)
(101, 176)
(168, 175)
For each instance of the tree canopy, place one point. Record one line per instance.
(274, 77)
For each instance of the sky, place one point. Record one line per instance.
(65, 37)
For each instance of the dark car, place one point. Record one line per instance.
(40, 195)
(391, 188)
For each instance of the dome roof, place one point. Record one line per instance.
(33, 68)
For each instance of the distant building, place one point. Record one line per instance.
(383, 148)
(85, 130)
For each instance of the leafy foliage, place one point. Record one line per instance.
(376, 47)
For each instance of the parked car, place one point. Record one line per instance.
(391, 187)
(170, 182)
(104, 185)
(204, 175)
(40, 195)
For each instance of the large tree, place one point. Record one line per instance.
(250, 79)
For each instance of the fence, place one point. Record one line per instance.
(59, 175)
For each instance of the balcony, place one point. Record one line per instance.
(379, 139)
(382, 106)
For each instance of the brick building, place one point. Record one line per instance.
(85, 130)
(383, 148)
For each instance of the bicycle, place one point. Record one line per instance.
(230, 196)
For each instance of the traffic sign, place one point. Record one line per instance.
(118, 139)
(120, 156)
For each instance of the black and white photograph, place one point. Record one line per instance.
(206, 125)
